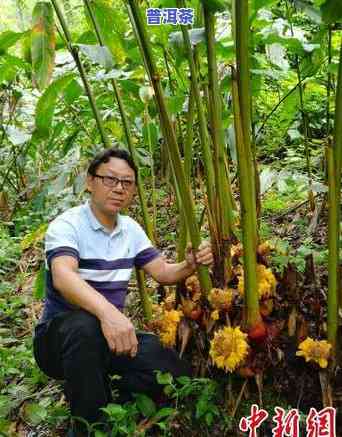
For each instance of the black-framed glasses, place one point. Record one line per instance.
(113, 181)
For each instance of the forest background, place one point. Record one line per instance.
(237, 134)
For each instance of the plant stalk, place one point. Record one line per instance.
(185, 193)
(145, 300)
(222, 182)
(74, 52)
(248, 220)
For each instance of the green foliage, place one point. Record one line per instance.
(98, 54)
(112, 26)
(216, 5)
(43, 43)
(9, 253)
(9, 38)
(47, 103)
(331, 11)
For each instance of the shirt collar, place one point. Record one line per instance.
(96, 225)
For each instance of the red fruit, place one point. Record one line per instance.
(196, 314)
(258, 332)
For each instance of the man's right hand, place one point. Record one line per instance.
(117, 329)
(119, 332)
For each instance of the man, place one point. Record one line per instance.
(83, 336)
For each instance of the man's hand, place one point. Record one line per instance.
(203, 255)
(119, 332)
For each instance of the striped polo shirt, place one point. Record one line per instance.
(105, 258)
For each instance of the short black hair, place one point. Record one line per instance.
(104, 156)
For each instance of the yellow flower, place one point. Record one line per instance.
(169, 301)
(267, 282)
(220, 299)
(264, 248)
(215, 315)
(228, 348)
(315, 350)
(167, 327)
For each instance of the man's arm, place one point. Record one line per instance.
(170, 273)
(116, 327)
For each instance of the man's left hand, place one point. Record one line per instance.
(203, 255)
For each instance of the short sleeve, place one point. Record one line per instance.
(61, 239)
(145, 252)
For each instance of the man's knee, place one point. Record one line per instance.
(82, 329)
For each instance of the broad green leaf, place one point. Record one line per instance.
(145, 405)
(259, 4)
(164, 412)
(9, 38)
(7, 73)
(46, 104)
(35, 413)
(72, 92)
(332, 11)
(39, 284)
(43, 42)
(10, 66)
(87, 37)
(98, 55)
(164, 378)
(112, 25)
(115, 127)
(175, 104)
(150, 134)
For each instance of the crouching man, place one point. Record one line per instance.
(83, 337)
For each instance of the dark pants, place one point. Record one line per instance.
(73, 348)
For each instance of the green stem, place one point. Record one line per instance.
(145, 300)
(74, 52)
(248, 220)
(334, 178)
(246, 160)
(222, 182)
(183, 233)
(185, 193)
(242, 32)
(153, 177)
(206, 153)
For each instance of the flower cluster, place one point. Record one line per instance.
(167, 325)
(220, 299)
(229, 348)
(193, 287)
(267, 282)
(315, 350)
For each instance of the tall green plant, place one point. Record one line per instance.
(170, 137)
(74, 52)
(224, 215)
(334, 201)
(241, 105)
(146, 303)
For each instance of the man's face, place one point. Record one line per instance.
(108, 194)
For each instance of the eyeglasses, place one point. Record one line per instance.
(112, 182)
